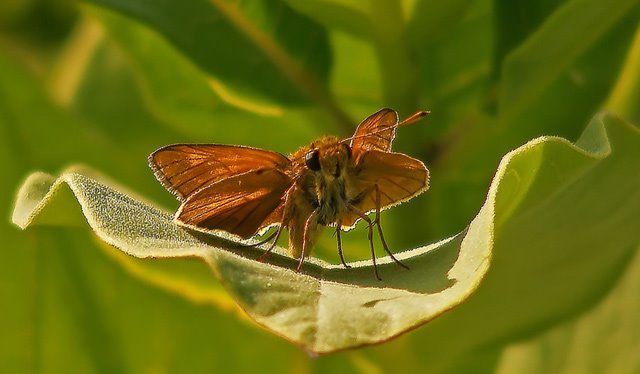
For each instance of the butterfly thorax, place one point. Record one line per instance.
(325, 168)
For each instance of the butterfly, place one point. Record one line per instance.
(331, 182)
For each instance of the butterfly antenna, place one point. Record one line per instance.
(414, 117)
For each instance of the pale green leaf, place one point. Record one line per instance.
(535, 186)
(311, 308)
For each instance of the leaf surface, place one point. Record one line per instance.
(327, 308)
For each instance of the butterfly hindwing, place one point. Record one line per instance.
(398, 178)
(239, 204)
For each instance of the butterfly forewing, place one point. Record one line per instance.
(375, 133)
(398, 177)
(239, 204)
(186, 168)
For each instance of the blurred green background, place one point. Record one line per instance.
(105, 82)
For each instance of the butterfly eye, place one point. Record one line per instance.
(312, 160)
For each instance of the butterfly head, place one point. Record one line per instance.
(328, 157)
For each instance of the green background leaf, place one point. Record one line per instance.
(268, 48)
(95, 86)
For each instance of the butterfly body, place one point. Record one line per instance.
(324, 188)
(331, 182)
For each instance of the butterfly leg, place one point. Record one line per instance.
(263, 256)
(338, 226)
(283, 223)
(305, 238)
(377, 222)
(369, 236)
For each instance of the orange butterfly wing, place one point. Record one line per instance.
(239, 204)
(375, 133)
(184, 169)
(223, 187)
(398, 177)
